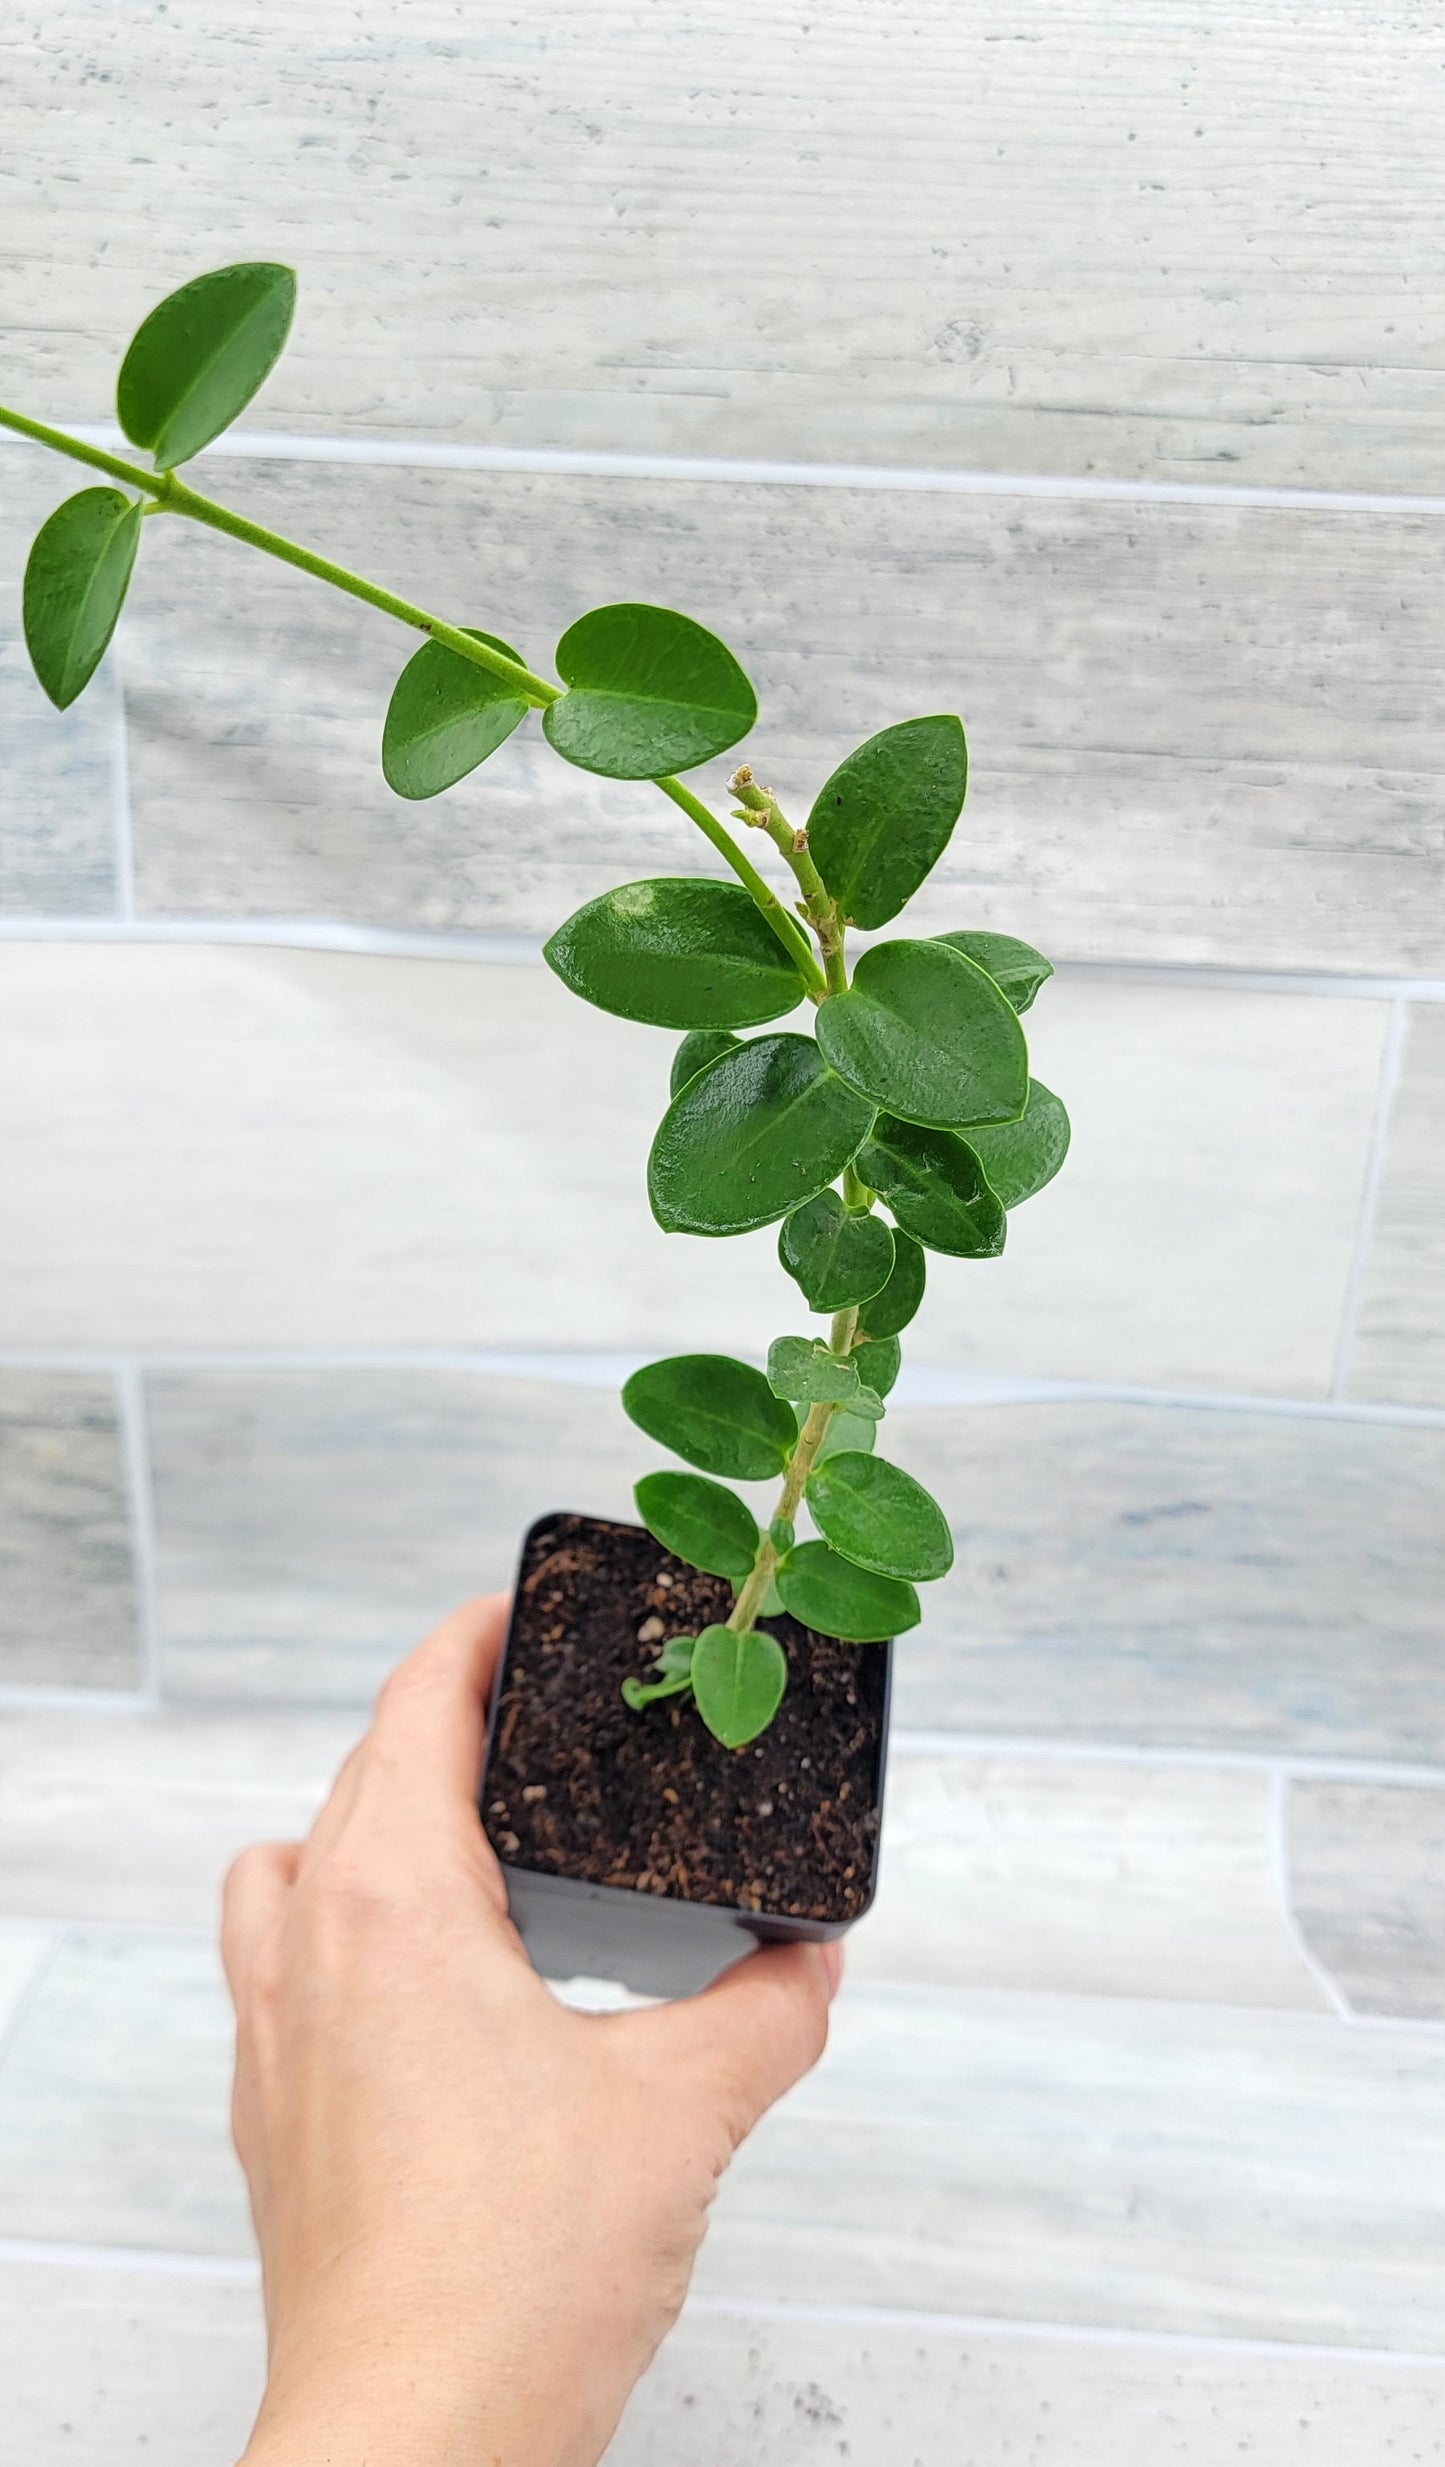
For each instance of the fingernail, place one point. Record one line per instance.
(833, 1966)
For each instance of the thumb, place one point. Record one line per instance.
(757, 2030)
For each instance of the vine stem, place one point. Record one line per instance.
(172, 496)
(743, 1615)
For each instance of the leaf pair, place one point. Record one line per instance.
(194, 364)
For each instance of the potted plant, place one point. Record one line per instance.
(690, 1721)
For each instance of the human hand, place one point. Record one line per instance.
(478, 2211)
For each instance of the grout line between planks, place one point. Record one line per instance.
(350, 937)
(761, 471)
(1278, 1823)
(140, 1506)
(921, 1387)
(1387, 1089)
(146, 2262)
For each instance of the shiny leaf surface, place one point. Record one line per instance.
(678, 954)
(200, 356)
(883, 820)
(650, 692)
(718, 1413)
(446, 716)
(695, 1053)
(926, 1034)
(75, 586)
(699, 1521)
(837, 1255)
(737, 1682)
(1020, 1157)
(1016, 967)
(893, 1308)
(832, 1595)
(879, 1517)
(759, 1131)
(803, 1369)
(936, 1188)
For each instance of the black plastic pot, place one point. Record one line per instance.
(713, 1846)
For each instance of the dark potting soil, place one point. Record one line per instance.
(577, 1785)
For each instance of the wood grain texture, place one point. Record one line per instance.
(1367, 1877)
(258, 1148)
(104, 2361)
(57, 779)
(67, 1598)
(1042, 2158)
(1197, 734)
(1399, 1352)
(1166, 241)
(1177, 1578)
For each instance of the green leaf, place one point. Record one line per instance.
(924, 1032)
(699, 1521)
(696, 1052)
(737, 1682)
(892, 1309)
(1020, 1157)
(1016, 967)
(846, 1429)
(677, 953)
(883, 820)
(837, 1255)
(719, 1414)
(639, 1693)
(650, 692)
(762, 1129)
(878, 1361)
(445, 716)
(802, 1368)
(935, 1187)
(75, 585)
(675, 1659)
(200, 356)
(781, 1535)
(836, 1598)
(879, 1517)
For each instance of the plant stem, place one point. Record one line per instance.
(755, 1585)
(172, 496)
(761, 809)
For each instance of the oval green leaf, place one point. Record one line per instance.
(936, 1188)
(892, 1309)
(881, 823)
(878, 1361)
(1017, 969)
(837, 1255)
(695, 1053)
(802, 1369)
(926, 1034)
(879, 1517)
(1020, 1157)
(200, 356)
(650, 692)
(833, 1596)
(683, 953)
(718, 1413)
(75, 585)
(699, 1521)
(846, 1430)
(737, 1682)
(445, 716)
(760, 1130)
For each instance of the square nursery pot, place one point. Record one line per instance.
(635, 1847)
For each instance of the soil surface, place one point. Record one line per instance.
(577, 1785)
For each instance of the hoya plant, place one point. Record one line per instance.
(893, 1116)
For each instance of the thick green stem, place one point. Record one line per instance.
(172, 496)
(759, 807)
(800, 1464)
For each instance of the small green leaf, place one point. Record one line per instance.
(762, 1129)
(719, 1414)
(883, 820)
(200, 356)
(699, 1521)
(445, 716)
(650, 692)
(1016, 968)
(679, 954)
(936, 1189)
(639, 1693)
(675, 1659)
(1020, 1157)
(892, 1309)
(924, 1032)
(75, 585)
(878, 1359)
(738, 1682)
(868, 1405)
(696, 1052)
(837, 1255)
(802, 1368)
(879, 1517)
(828, 1593)
(781, 1535)
(846, 1429)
